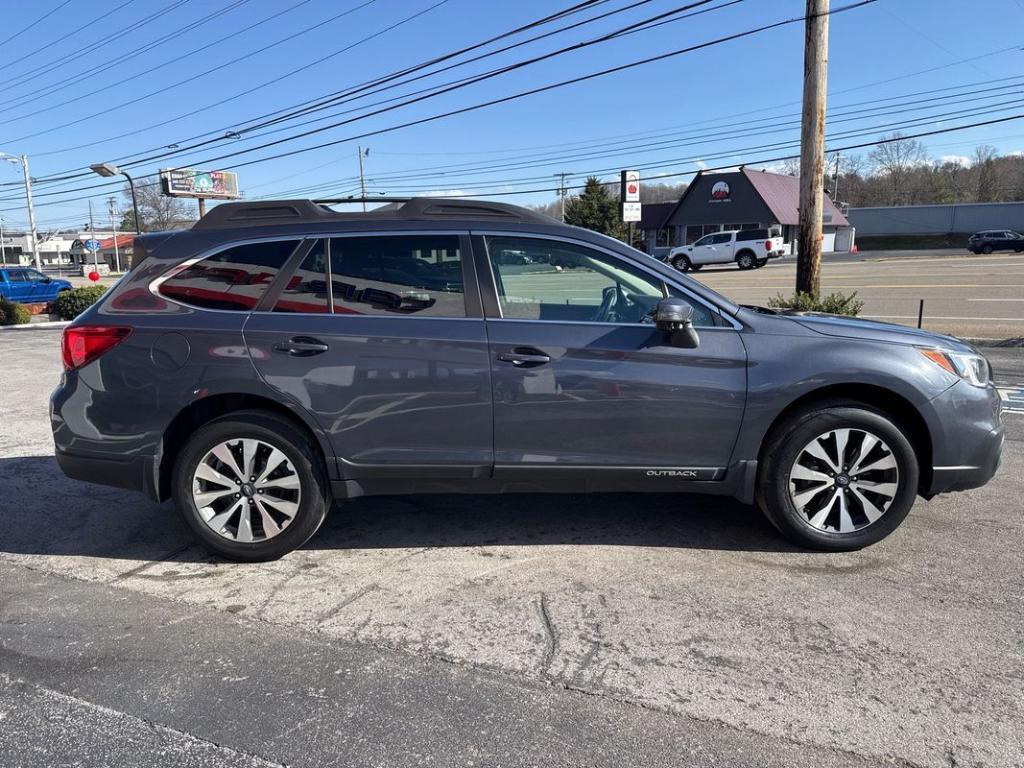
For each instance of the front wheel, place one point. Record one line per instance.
(839, 477)
(746, 260)
(682, 263)
(987, 249)
(251, 486)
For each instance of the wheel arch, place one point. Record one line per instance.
(200, 412)
(893, 405)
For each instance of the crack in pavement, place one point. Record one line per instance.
(550, 636)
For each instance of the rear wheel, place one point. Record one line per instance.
(760, 263)
(986, 249)
(838, 477)
(696, 267)
(682, 263)
(746, 260)
(251, 486)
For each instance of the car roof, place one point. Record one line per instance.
(289, 212)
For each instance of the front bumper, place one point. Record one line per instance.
(968, 445)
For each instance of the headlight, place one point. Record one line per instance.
(973, 369)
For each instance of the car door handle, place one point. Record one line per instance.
(302, 346)
(524, 357)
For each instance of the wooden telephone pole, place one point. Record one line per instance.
(812, 148)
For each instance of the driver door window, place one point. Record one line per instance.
(566, 282)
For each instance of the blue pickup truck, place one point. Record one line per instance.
(28, 286)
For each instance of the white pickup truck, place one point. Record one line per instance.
(749, 248)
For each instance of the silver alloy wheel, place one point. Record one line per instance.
(844, 480)
(246, 490)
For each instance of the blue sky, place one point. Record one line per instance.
(65, 85)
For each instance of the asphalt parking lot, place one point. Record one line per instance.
(966, 295)
(465, 630)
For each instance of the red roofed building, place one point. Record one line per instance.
(745, 199)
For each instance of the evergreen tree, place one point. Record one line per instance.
(595, 209)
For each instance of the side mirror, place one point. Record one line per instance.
(675, 317)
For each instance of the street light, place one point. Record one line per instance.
(23, 160)
(109, 169)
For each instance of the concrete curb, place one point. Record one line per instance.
(1016, 343)
(48, 325)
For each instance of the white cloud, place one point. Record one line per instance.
(700, 163)
(956, 159)
(444, 193)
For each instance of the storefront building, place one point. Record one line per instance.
(743, 199)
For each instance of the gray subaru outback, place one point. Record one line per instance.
(280, 356)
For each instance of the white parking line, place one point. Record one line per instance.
(1013, 398)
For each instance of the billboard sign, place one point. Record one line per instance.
(188, 182)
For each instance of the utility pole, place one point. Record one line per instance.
(23, 159)
(31, 213)
(112, 209)
(92, 236)
(362, 180)
(562, 191)
(812, 148)
(3, 247)
(835, 185)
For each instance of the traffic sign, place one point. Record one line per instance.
(92, 245)
(630, 212)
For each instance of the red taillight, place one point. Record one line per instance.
(767, 245)
(81, 345)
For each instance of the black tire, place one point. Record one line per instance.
(787, 442)
(696, 267)
(986, 249)
(746, 260)
(304, 457)
(760, 263)
(682, 263)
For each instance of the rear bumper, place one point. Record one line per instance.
(134, 474)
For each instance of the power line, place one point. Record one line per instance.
(179, 83)
(135, 53)
(220, 133)
(80, 53)
(481, 105)
(41, 19)
(78, 30)
(459, 83)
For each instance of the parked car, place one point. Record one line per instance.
(280, 356)
(995, 240)
(749, 248)
(29, 286)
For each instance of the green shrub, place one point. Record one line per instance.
(12, 313)
(70, 304)
(833, 304)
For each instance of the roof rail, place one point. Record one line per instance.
(280, 212)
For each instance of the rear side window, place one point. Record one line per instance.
(402, 275)
(396, 275)
(234, 279)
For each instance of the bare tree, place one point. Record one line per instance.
(895, 159)
(157, 211)
(987, 175)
